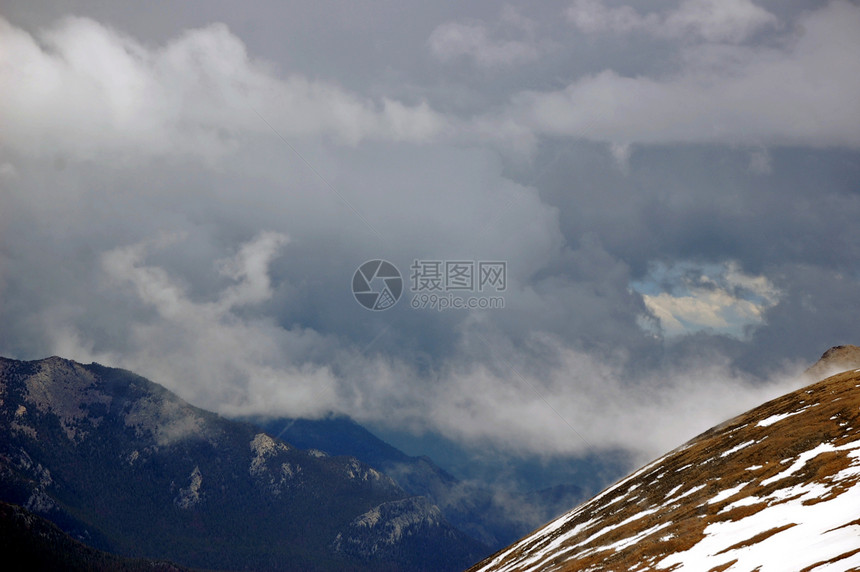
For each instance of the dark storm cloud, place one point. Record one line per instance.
(188, 195)
(703, 205)
(818, 307)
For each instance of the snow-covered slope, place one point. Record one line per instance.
(775, 489)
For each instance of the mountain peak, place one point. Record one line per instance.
(774, 489)
(128, 467)
(836, 359)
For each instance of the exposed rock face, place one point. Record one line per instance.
(384, 530)
(384, 526)
(493, 516)
(775, 489)
(69, 392)
(190, 496)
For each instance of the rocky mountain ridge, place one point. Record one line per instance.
(126, 466)
(493, 516)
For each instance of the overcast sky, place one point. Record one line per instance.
(187, 188)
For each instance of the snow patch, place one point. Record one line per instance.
(737, 448)
(817, 531)
(725, 493)
(801, 461)
(775, 418)
(689, 492)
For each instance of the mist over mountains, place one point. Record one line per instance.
(186, 193)
(666, 193)
(132, 477)
(486, 510)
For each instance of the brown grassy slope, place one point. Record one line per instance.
(679, 485)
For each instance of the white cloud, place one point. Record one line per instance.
(478, 42)
(722, 299)
(250, 268)
(592, 16)
(208, 352)
(585, 403)
(84, 89)
(220, 357)
(711, 309)
(804, 93)
(731, 21)
(758, 286)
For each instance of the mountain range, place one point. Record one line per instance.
(495, 516)
(101, 469)
(125, 466)
(774, 489)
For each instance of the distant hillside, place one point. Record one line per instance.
(39, 545)
(774, 489)
(127, 467)
(493, 517)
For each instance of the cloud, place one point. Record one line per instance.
(541, 397)
(731, 21)
(84, 89)
(805, 92)
(202, 95)
(621, 153)
(722, 299)
(146, 205)
(584, 404)
(8, 170)
(250, 268)
(209, 352)
(711, 309)
(478, 42)
(591, 17)
(812, 309)
(760, 162)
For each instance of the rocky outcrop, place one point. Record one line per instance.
(835, 360)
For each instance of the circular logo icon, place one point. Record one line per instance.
(377, 285)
